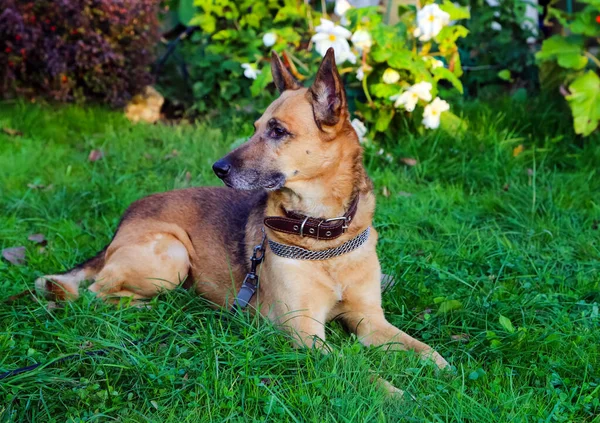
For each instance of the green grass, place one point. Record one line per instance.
(497, 262)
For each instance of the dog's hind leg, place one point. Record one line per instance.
(66, 285)
(141, 268)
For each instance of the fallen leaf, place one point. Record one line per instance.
(529, 172)
(12, 132)
(14, 255)
(52, 306)
(86, 345)
(188, 176)
(185, 377)
(461, 337)
(409, 161)
(506, 187)
(518, 150)
(154, 404)
(35, 185)
(266, 381)
(385, 192)
(172, 154)
(95, 155)
(38, 239)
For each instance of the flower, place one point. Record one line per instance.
(409, 98)
(362, 39)
(430, 21)
(360, 128)
(496, 26)
(435, 63)
(360, 73)
(390, 76)
(331, 35)
(341, 7)
(269, 39)
(250, 71)
(433, 111)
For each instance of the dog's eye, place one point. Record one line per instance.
(277, 132)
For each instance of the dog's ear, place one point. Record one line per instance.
(282, 78)
(327, 93)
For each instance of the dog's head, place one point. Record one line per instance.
(298, 138)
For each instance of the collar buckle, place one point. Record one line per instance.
(346, 219)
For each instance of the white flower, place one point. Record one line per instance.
(409, 98)
(362, 39)
(250, 70)
(360, 73)
(390, 76)
(341, 7)
(496, 26)
(435, 63)
(360, 128)
(331, 35)
(433, 111)
(269, 39)
(430, 21)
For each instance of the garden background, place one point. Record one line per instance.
(479, 123)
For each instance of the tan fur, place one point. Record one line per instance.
(191, 233)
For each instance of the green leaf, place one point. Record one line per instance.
(456, 12)
(452, 124)
(449, 305)
(186, 11)
(207, 22)
(505, 75)
(261, 81)
(383, 119)
(567, 51)
(506, 324)
(443, 73)
(383, 90)
(584, 101)
(401, 60)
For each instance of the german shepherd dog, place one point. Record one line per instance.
(305, 160)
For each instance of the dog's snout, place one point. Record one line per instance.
(221, 168)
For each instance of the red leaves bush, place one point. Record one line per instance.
(77, 50)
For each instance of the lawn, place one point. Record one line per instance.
(496, 260)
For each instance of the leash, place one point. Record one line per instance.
(247, 291)
(250, 283)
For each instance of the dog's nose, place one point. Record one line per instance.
(221, 168)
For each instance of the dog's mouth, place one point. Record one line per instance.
(252, 181)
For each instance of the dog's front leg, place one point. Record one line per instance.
(372, 328)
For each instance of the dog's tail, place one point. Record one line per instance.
(66, 285)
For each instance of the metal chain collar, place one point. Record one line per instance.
(299, 253)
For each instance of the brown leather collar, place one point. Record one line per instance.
(299, 224)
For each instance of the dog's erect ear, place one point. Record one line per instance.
(282, 78)
(328, 95)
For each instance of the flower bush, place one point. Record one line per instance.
(499, 48)
(396, 75)
(567, 61)
(77, 49)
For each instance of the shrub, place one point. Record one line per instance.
(499, 46)
(393, 73)
(97, 50)
(566, 61)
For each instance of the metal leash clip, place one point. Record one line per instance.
(250, 283)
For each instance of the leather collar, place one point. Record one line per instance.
(299, 224)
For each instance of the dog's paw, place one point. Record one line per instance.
(436, 358)
(54, 287)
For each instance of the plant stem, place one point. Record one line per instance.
(366, 89)
(594, 58)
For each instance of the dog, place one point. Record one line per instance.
(299, 179)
